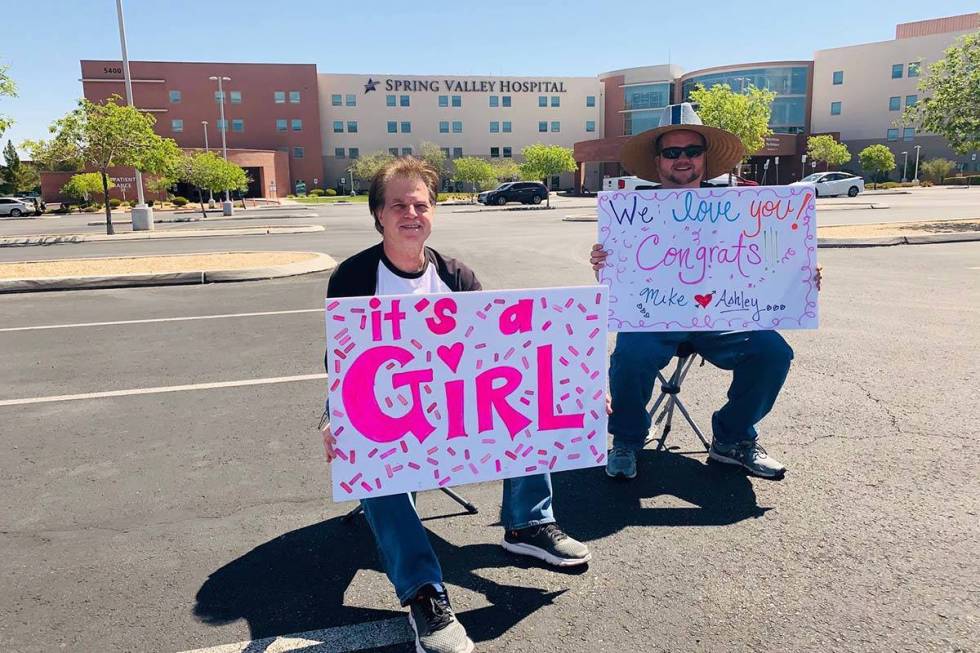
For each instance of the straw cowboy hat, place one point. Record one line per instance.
(724, 149)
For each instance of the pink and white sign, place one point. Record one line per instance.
(710, 259)
(430, 391)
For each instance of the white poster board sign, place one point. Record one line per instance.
(431, 391)
(710, 259)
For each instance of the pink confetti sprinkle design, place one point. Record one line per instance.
(488, 441)
(338, 318)
(530, 469)
(568, 328)
(388, 453)
(452, 452)
(525, 362)
(416, 344)
(340, 429)
(564, 396)
(335, 385)
(486, 457)
(389, 402)
(343, 341)
(390, 366)
(336, 367)
(563, 361)
(363, 322)
(581, 307)
(544, 302)
(432, 407)
(595, 452)
(373, 453)
(546, 325)
(346, 488)
(457, 469)
(469, 331)
(445, 481)
(353, 456)
(593, 333)
(488, 306)
(510, 352)
(356, 478)
(332, 305)
(559, 445)
(421, 305)
(480, 345)
(574, 456)
(342, 456)
(593, 316)
(432, 461)
(436, 474)
(510, 455)
(499, 300)
(404, 446)
(526, 344)
(415, 466)
(357, 310)
(479, 364)
(598, 393)
(572, 349)
(431, 451)
(473, 468)
(481, 315)
(525, 401)
(598, 298)
(388, 471)
(402, 400)
(569, 303)
(554, 460)
(367, 487)
(591, 434)
(466, 454)
(497, 465)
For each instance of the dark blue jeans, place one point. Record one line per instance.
(404, 546)
(759, 361)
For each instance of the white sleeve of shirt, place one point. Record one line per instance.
(390, 283)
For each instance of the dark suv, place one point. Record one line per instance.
(525, 192)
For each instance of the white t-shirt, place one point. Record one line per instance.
(392, 281)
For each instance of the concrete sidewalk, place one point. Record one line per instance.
(116, 272)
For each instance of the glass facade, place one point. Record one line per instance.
(640, 121)
(789, 82)
(647, 96)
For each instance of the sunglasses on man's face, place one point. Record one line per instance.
(690, 151)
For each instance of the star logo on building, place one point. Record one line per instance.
(370, 85)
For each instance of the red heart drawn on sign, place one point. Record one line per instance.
(450, 355)
(704, 300)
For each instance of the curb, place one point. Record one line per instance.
(925, 239)
(320, 263)
(56, 239)
(198, 218)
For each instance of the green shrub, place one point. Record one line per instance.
(316, 192)
(330, 192)
(926, 184)
(92, 208)
(179, 201)
(290, 196)
(114, 203)
(889, 184)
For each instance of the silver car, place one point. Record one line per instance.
(834, 183)
(14, 207)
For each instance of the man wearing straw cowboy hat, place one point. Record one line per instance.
(681, 153)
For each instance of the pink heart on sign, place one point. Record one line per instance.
(450, 355)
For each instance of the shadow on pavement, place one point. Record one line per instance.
(296, 582)
(720, 494)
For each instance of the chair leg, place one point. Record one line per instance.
(693, 424)
(461, 500)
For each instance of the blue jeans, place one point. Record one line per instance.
(759, 360)
(405, 549)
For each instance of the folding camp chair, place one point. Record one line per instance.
(458, 498)
(669, 389)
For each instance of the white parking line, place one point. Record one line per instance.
(161, 389)
(341, 639)
(159, 319)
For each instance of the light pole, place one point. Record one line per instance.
(352, 193)
(915, 177)
(802, 166)
(204, 123)
(905, 166)
(777, 170)
(223, 127)
(142, 214)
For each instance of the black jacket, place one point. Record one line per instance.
(358, 275)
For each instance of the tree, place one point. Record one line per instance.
(101, 136)
(877, 159)
(951, 107)
(825, 148)
(208, 171)
(434, 156)
(367, 166)
(543, 161)
(45, 156)
(936, 170)
(476, 171)
(82, 185)
(8, 89)
(27, 178)
(12, 167)
(744, 114)
(506, 170)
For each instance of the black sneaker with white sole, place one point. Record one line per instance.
(436, 628)
(549, 543)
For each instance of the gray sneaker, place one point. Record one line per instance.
(549, 543)
(621, 463)
(749, 455)
(436, 627)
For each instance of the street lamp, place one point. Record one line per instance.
(915, 177)
(142, 214)
(204, 123)
(905, 166)
(802, 166)
(351, 172)
(223, 127)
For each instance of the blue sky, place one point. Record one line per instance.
(506, 37)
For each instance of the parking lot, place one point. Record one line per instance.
(164, 487)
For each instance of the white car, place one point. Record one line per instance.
(829, 184)
(628, 183)
(14, 207)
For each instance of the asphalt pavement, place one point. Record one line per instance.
(190, 509)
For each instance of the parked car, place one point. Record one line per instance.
(14, 207)
(628, 183)
(736, 180)
(828, 184)
(32, 200)
(525, 192)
